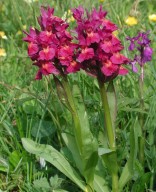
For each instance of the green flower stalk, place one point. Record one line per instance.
(141, 119)
(107, 116)
(110, 135)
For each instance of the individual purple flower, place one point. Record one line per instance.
(132, 40)
(147, 54)
(134, 68)
(140, 44)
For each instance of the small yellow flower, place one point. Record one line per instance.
(152, 17)
(24, 27)
(131, 21)
(30, 1)
(115, 33)
(2, 35)
(19, 32)
(70, 19)
(101, 1)
(2, 52)
(69, 12)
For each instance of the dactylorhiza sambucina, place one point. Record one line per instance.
(97, 50)
(52, 49)
(140, 44)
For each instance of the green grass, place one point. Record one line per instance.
(31, 108)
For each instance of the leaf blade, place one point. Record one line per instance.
(55, 158)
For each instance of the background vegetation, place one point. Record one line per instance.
(31, 108)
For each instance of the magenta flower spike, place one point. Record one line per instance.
(51, 49)
(99, 49)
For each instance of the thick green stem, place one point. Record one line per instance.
(110, 134)
(74, 112)
(115, 186)
(141, 119)
(77, 130)
(107, 116)
(68, 93)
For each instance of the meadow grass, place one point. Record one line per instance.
(31, 108)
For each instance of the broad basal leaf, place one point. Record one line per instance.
(55, 158)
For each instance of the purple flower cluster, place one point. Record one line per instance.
(51, 49)
(141, 44)
(99, 49)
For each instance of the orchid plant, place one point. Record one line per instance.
(96, 50)
(141, 45)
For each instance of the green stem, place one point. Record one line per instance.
(110, 134)
(141, 119)
(74, 113)
(107, 116)
(69, 94)
(77, 130)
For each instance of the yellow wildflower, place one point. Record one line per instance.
(2, 35)
(24, 26)
(115, 33)
(2, 52)
(70, 19)
(69, 12)
(19, 32)
(131, 21)
(152, 17)
(30, 1)
(101, 1)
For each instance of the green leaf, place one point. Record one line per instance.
(62, 93)
(142, 182)
(87, 143)
(42, 183)
(55, 182)
(42, 128)
(4, 166)
(110, 161)
(29, 104)
(100, 184)
(55, 158)
(71, 144)
(128, 170)
(112, 102)
(14, 158)
(102, 151)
